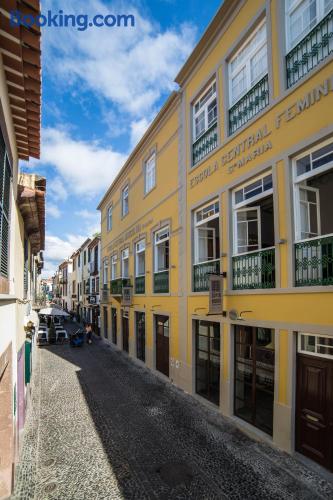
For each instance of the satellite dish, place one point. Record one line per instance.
(233, 315)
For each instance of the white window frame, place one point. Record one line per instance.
(289, 9)
(299, 181)
(125, 256)
(114, 267)
(139, 251)
(316, 354)
(165, 229)
(197, 227)
(150, 173)
(246, 209)
(204, 109)
(247, 64)
(105, 271)
(125, 196)
(257, 197)
(109, 217)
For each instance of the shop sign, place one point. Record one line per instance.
(127, 296)
(215, 294)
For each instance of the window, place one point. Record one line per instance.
(124, 201)
(150, 173)
(207, 246)
(109, 218)
(5, 175)
(93, 290)
(140, 249)
(313, 183)
(249, 64)
(302, 16)
(140, 320)
(113, 267)
(79, 260)
(254, 215)
(204, 112)
(316, 345)
(105, 272)
(74, 264)
(97, 285)
(124, 263)
(161, 260)
(84, 258)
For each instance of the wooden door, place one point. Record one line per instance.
(162, 344)
(125, 334)
(314, 409)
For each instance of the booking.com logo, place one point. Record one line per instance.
(80, 21)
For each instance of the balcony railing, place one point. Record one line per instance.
(249, 105)
(254, 270)
(140, 284)
(161, 282)
(201, 274)
(314, 262)
(310, 51)
(116, 286)
(73, 295)
(205, 144)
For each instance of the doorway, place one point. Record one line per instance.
(114, 325)
(207, 360)
(314, 398)
(162, 344)
(140, 327)
(125, 331)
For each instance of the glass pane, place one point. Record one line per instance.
(325, 160)
(202, 343)
(253, 233)
(303, 165)
(302, 19)
(239, 196)
(327, 341)
(304, 218)
(308, 343)
(313, 219)
(268, 182)
(238, 85)
(259, 64)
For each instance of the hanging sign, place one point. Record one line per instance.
(127, 296)
(215, 294)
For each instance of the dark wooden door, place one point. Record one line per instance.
(140, 336)
(314, 409)
(162, 344)
(125, 333)
(114, 325)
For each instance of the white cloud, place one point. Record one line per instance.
(86, 167)
(58, 249)
(132, 67)
(56, 189)
(138, 128)
(53, 210)
(87, 215)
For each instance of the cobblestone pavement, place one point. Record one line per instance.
(103, 427)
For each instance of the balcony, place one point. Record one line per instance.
(254, 270)
(310, 51)
(201, 274)
(140, 284)
(205, 144)
(74, 295)
(314, 262)
(116, 286)
(249, 105)
(161, 282)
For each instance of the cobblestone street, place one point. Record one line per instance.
(102, 427)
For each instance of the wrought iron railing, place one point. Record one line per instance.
(140, 284)
(310, 51)
(116, 286)
(201, 274)
(314, 262)
(254, 270)
(161, 282)
(249, 105)
(205, 144)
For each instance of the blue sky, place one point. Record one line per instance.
(101, 89)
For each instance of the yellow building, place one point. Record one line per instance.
(234, 179)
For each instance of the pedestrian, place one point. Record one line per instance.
(89, 333)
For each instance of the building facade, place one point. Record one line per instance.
(233, 180)
(93, 315)
(22, 229)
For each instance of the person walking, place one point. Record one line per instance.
(89, 333)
